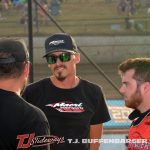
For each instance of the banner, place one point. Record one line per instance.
(119, 114)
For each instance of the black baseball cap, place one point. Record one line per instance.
(16, 48)
(60, 42)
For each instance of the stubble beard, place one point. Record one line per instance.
(60, 77)
(135, 100)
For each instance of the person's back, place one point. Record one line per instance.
(21, 123)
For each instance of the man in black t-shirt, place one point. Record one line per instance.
(75, 107)
(22, 125)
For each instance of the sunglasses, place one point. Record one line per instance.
(64, 57)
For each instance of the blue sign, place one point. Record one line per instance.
(119, 114)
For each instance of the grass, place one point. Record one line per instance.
(82, 17)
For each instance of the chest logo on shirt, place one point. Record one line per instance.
(68, 107)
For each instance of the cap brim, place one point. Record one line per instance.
(59, 50)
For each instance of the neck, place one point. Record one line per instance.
(68, 83)
(144, 107)
(10, 85)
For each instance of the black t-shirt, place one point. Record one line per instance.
(70, 111)
(20, 123)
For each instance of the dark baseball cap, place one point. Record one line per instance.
(60, 42)
(16, 50)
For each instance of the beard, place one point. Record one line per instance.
(59, 75)
(135, 100)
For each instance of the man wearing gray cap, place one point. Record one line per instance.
(75, 107)
(20, 122)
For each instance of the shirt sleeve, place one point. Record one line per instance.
(101, 113)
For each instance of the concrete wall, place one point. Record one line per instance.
(102, 49)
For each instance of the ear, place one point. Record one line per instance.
(26, 69)
(77, 57)
(146, 87)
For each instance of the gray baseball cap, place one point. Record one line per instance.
(16, 48)
(60, 42)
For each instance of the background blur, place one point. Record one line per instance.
(107, 32)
